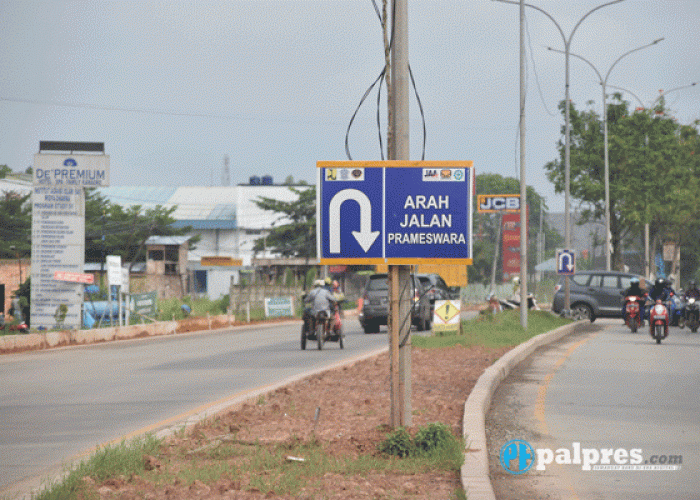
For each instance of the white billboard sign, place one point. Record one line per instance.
(79, 170)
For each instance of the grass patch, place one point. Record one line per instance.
(123, 459)
(495, 330)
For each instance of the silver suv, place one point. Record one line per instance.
(594, 294)
(375, 306)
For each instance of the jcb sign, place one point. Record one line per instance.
(499, 202)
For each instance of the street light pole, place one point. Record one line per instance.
(647, 265)
(603, 83)
(567, 149)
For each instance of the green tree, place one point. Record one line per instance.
(4, 170)
(111, 229)
(653, 173)
(293, 234)
(16, 226)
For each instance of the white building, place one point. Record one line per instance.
(226, 218)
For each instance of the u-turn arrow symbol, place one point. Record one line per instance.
(365, 236)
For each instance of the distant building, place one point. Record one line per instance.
(226, 218)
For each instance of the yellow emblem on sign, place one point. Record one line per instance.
(447, 311)
(331, 174)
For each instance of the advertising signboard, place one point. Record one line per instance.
(279, 306)
(511, 245)
(394, 212)
(75, 170)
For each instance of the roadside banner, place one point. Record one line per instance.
(144, 304)
(279, 306)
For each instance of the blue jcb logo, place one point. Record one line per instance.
(517, 456)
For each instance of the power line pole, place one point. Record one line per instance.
(523, 181)
(400, 275)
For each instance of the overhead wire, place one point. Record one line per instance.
(380, 79)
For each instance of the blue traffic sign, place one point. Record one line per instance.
(394, 212)
(566, 261)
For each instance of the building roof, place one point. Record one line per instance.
(207, 207)
(11, 185)
(167, 240)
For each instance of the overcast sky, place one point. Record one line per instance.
(171, 88)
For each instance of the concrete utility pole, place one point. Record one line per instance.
(400, 275)
(523, 181)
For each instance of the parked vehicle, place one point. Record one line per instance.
(692, 314)
(375, 306)
(437, 288)
(658, 322)
(594, 294)
(633, 313)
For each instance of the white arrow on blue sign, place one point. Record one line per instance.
(566, 261)
(394, 212)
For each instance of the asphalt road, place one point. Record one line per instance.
(607, 389)
(57, 405)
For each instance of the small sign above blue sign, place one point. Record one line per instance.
(394, 212)
(566, 261)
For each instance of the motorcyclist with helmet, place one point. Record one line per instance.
(634, 290)
(320, 299)
(692, 291)
(660, 291)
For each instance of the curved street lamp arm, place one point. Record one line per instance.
(629, 92)
(583, 59)
(628, 53)
(561, 32)
(588, 14)
(673, 90)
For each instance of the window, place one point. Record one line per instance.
(155, 255)
(171, 253)
(581, 279)
(625, 282)
(609, 282)
(170, 268)
(378, 283)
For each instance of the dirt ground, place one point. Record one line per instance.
(354, 403)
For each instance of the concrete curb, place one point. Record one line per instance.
(475, 470)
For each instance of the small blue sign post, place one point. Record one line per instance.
(566, 262)
(394, 212)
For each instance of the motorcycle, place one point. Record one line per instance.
(674, 304)
(13, 327)
(658, 321)
(633, 316)
(515, 304)
(692, 314)
(322, 328)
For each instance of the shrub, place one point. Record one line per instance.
(433, 436)
(398, 443)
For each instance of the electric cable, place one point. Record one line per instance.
(379, 79)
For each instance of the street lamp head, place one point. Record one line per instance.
(657, 40)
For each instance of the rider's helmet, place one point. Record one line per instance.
(336, 285)
(634, 280)
(660, 282)
(328, 280)
(516, 280)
